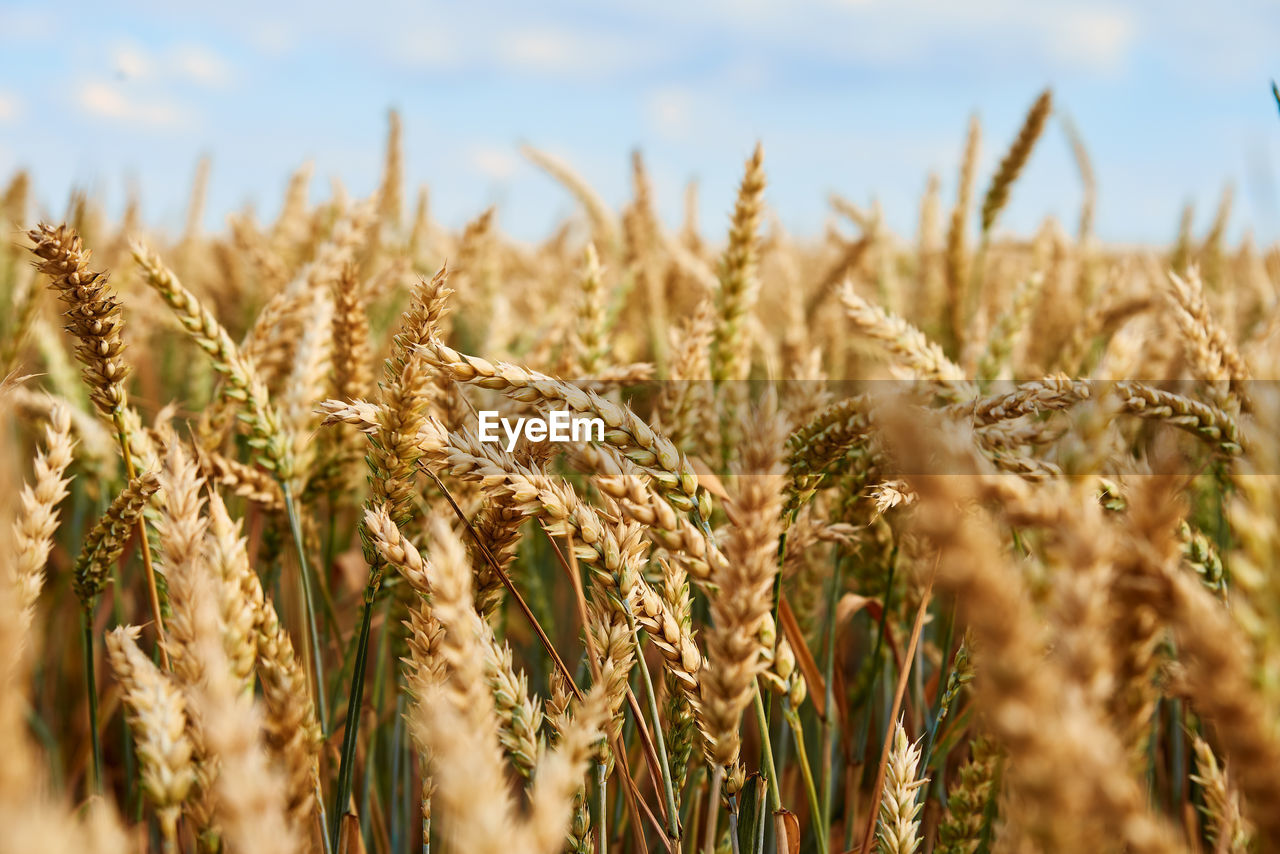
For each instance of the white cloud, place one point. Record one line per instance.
(436, 48)
(1092, 38)
(547, 49)
(1084, 35)
(189, 62)
(130, 62)
(107, 100)
(670, 111)
(200, 65)
(494, 163)
(10, 106)
(475, 43)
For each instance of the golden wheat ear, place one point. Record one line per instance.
(106, 540)
(243, 384)
(1015, 160)
(93, 313)
(957, 249)
(739, 281)
(157, 717)
(898, 824)
(456, 717)
(37, 522)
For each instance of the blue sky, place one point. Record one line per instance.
(864, 98)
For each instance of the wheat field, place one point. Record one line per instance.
(955, 541)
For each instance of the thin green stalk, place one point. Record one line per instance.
(346, 765)
(1177, 755)
(766, 747)
(687, 803)
(695, 812)
(322, 812)
(758, 826)
(713, 810)
(153, 593)
(828, 724)
(807, 773)
(668, 791)
(342, 677)
(864, 691)
(781, 748)
(370, 755)
(781, 744)
(92, 687)
(939, 711)
(733, 824)
(308, 596)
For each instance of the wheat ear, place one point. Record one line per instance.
(957, 252)
(623, 428)
(37, 521)
(391, 188)
(907, 344)
(1225, 827)
(961, 831)
(251, 805)
(745, 581)
(457, 716)
(739, 284)
(1014, 160)
(898, 825)
(93, 313)
(106, 540)
(157, 716)
(274, 445)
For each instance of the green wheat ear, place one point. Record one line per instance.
(1275, 93)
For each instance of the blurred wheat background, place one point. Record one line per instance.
(934, 526)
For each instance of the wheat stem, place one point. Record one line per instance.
(91, 686)
(766, 747)
(733, 824)
(829, 721)
(308, 598)
(346, 765)
(713, 810)
(806, 771)
(668, 791)
(759, 824)
(144, 545)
